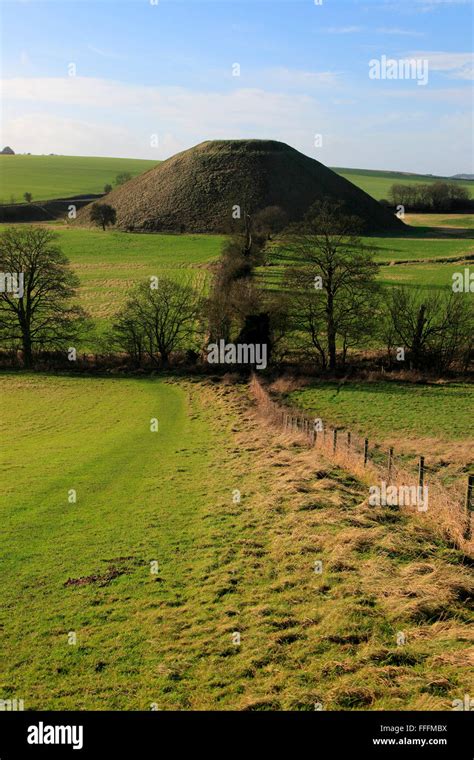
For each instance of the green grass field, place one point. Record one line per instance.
(393, 409)
(430, 276)
(378, 183)
(110, 263)
(418, 252)
(458, 221)
(141, 496)
(85, 623)
(61, 176)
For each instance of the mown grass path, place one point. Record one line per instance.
(224, 565)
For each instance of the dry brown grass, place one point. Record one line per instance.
(385, 573)
(446, 514)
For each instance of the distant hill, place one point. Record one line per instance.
(197, 190)
(7, 151)
(463, 176)
(61, 176)
(377, 183)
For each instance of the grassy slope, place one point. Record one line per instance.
(223, 567)
(56, 176)
(429, 276)
(109, 263)
(378, 183)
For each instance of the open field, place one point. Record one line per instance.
(430, 276)
(378, 183)
(393, 411)
(61, 176)
(224, 566)
(424, 258)
(457, 221)
(109, 263)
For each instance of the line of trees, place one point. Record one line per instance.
(439, 197)
(335, 302)
(330, 304)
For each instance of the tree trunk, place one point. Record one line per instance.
(417, 339)
(27, 352)
(331, 332)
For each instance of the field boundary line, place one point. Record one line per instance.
(448, 511)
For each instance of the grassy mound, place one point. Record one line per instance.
(196, 190)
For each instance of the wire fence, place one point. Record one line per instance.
(389, 478)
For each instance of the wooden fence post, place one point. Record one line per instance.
(348, 439)
(390, 461)
(469, 506)
(470, 494)
(334, 441)
(366, 451)
(421, 472)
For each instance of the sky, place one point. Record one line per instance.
(148, 78)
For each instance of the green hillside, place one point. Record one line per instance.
(61, 176)
(378, 183)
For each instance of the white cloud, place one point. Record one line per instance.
(105, 53)
(456, 65)
(282, 76)
(344, 29)
(399, 32)
(87, 116)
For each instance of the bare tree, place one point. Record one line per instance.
(270, 221)
(334, 280)
(128, 332)
(434, 327)
(162, 319)
(37, 312)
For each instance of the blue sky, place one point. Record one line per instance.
(137, 79)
